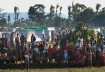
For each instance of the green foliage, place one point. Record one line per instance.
(3, 22)
(81, 24)
(19, 24)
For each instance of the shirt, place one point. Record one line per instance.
(36, 49)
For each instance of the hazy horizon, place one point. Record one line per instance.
(24, 5)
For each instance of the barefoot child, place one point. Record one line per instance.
(27, 55)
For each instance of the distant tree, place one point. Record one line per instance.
(16, 13)
(57, 6)
(9, 19)
(36, 13)
(97, 7)
(2, 19)
(3, 22)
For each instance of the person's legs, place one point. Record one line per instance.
(27, 63)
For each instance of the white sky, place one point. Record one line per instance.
(24, 5)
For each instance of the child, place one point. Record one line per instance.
(83, 57)
(77, 56)
(50, 53)
(102, 57)
(89, 57)
(13, 58)
(27, 55)
(8, 60)
(43, 58)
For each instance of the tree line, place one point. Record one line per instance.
(76, 12)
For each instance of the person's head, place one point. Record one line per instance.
(42, 35)
(41, 42)
(17, 34)
(46, 44)
(54, 45)
(49, 46)
(66, 41)
(32, 35)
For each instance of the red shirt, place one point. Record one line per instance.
(50, 51)
(66, 47)
(6, 39)
(54, 49)
(62, 51)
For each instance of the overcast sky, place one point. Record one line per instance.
(24, 5)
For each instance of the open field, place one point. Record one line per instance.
(49, 68)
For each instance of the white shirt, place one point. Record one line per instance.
(81, 40)
(36, 49)
(58, 47)
(79, 45)
(46, 48)
(43, 38)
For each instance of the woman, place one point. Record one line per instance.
(83, 57)
(54, 51)
(102, 57)
(46, 50)
(50, 53)
(6, 41)
(77, 55)
(89, 57)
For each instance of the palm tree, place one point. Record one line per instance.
(57, 6)
(8, 18)
(60, 10)
(15, 11)
(82, 7)
(69, 11)
(51, 13)
(97, 8)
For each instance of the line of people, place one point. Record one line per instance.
(84, 51)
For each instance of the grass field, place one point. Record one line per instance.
(49, 68)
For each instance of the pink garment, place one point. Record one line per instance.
(77, 54)
(6, 39)
(77, 57)
(101, 53)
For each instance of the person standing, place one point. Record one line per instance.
(22, 38)
(27, 55)
(33, 39)
(6, 41)
(2, 40)
(43, 38)
(17, 40)
(11, 39)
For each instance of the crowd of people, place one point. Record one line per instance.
(83, 51)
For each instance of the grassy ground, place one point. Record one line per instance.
(49, 68)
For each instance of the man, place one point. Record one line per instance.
(11, 39)
(43, 38)
(33, 39)
(17, 40)
(2, 39)
(22, 38)
(41, 48)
